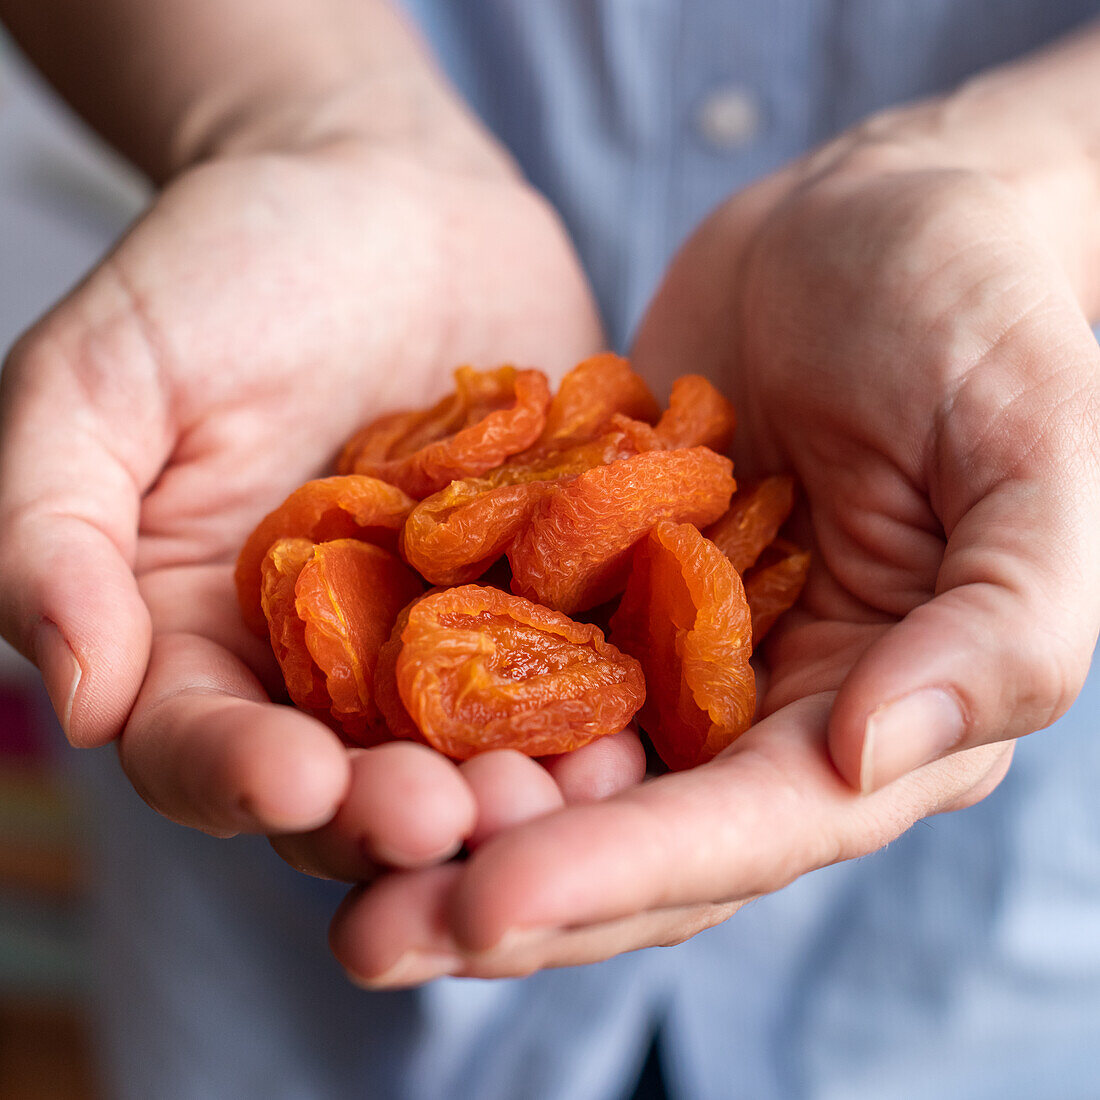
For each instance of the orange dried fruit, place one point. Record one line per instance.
(774, 584)
(685, 617)
(573, 491)
(590, 395)
(348, 596)
(755, 516)
(574, 553)
(386, 696)
(305, 683)
(328, 508)
(454, 535)
(480, 669)
(491, 415)
(697, 416)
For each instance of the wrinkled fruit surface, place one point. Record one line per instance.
(755, 516)
(330, 607)
(305, 683)
(480, 669)
(697, 416)
(685, 617)
(574, 552)
(453, 536)
(329, 508)
(589, 396)
(491, 415)
(590, 502)
(774, 583)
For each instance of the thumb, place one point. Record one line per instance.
(79, 442)
(1004, 646)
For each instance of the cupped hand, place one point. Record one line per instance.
(905, 333)
(265, 306)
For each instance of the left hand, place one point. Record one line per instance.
(902, 331)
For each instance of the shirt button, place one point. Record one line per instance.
(728, 118)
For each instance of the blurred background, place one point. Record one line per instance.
(63, 200)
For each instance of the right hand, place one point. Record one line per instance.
(265, 306)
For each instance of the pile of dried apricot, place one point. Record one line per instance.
(588, 504)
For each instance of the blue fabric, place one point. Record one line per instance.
(961, 962)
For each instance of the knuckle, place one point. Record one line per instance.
(1058, 663)
(1052, 664)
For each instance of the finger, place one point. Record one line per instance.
(523, 953)
(204, 747)
(83, 436)
(986, 783)
(393, 934)
(600, 769)
(1002, 650)
(508, 788)
(406, 806)
(744, 824)
(398, 926)
(511, 788)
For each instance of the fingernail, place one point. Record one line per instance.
(384, 853)
(520, 940)
(906, 733)
(412, 968)
(60, 670)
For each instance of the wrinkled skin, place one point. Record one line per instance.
(901, 332)
(268, 304)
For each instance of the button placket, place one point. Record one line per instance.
(728, 117)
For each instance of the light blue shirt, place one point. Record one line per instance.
(961, 962)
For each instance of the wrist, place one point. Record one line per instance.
(404, 113)
(1005, 130)
(1031, 126)
(1049, 165)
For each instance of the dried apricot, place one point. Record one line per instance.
(697, 416)
(755, 516)
(685, 617)
(556, 498)
(386, 696)
(589, 396)
(480, 669)
(305, 683)
(574, 552)
(454, 535)
(348, 596)
(328, 508)
(774, 584)
(491, 415)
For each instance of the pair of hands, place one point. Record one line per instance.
(898, 331)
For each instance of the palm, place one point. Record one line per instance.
(295, 300)
(907, 346)
(286, 302)
(853, 318)
(261, 311)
